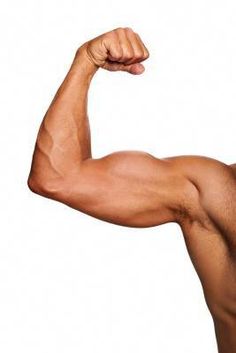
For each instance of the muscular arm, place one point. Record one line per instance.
(131, 188)
(134, 188)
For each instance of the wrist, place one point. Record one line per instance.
(83, 60)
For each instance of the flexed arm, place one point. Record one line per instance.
(126, 187)
(134, 188)
(130, 188)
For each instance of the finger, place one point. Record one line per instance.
(125, 44)
(146, 52)
(137, 47)
(111, 44)
(140, 51)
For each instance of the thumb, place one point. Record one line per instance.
(135, 69)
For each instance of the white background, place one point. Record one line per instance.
(70, 282)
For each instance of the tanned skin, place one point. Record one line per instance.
(136, 189)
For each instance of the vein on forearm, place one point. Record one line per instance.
(64, 138)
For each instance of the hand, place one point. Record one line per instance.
(118, 50)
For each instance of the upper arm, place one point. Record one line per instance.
(129, 188)
(134, 188)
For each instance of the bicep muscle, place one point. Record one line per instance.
(129, 188)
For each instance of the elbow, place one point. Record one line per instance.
(38, 186)
(35, 185)
(45, 187)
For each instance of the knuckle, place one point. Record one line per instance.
(128, 29)
(113, 33)
(111, 36)
(146, 54)
(114, 42)
(119, 29)
(139, 55)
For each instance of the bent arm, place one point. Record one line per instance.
(131, 188)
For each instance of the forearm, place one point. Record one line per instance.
(63, 140)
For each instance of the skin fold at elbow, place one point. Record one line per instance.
(53, 189)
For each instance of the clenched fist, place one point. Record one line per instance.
(118, 50)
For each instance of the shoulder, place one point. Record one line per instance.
(209, 175)
(213, 195)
